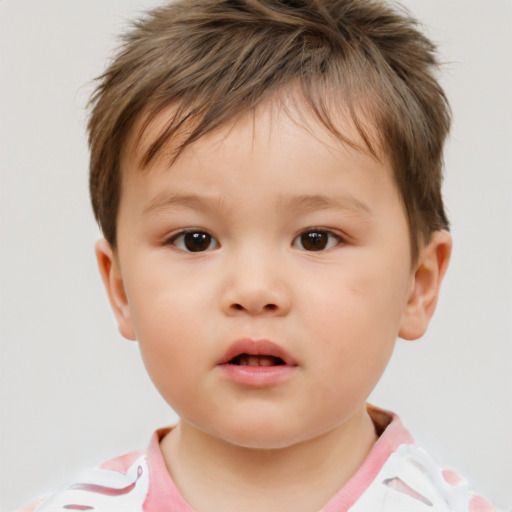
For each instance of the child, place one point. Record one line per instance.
(267, 177)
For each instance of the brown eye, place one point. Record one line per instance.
(195, 241)
(316, 240)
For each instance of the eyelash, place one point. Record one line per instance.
(179, 241)
(319, 240)
(322, 236)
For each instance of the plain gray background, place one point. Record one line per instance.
(74, 393)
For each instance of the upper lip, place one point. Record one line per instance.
(259, 347)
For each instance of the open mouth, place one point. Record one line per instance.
(262, 353)
(257, 363)
(256, 360)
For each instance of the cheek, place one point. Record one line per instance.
(355, 318)
(171, 354)
(357, 298)
(162, 297)
(167, 322)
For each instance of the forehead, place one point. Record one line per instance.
(164, 134)
(279, 150)
(264, 172)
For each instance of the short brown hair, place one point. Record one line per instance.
(216, 60)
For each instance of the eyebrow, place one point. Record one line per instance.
(306, 203)
(303, 203)
(175, 201)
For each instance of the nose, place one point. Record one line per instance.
(255, 287)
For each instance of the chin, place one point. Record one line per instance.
(265, 434)
(258, 441)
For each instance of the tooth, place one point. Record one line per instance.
(253, 360)
(242, 360)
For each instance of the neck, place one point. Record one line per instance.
(214, 475)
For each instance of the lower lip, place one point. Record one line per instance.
(257, 376)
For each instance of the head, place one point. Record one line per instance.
(267, 176)
(216, 60)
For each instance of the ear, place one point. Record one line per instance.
(110, 271)
(425, 286)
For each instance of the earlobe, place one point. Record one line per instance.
(110, 271)
(426, 283)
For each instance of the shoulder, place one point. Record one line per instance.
(410, 480)
(119, 484)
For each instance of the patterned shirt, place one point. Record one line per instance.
(396, 476)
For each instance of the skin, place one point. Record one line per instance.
(256, 187)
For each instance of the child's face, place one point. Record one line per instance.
(262, 231)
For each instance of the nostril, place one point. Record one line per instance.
(266, 307)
